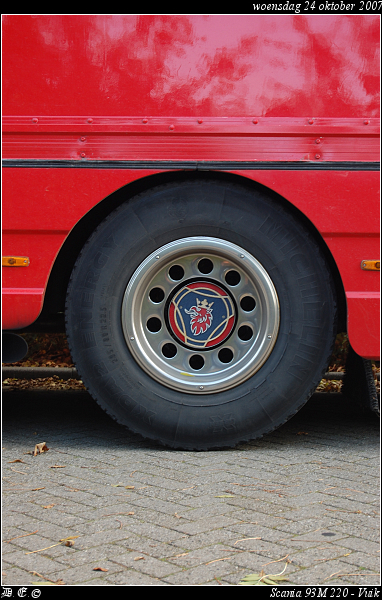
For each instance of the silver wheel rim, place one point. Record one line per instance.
(200, 315)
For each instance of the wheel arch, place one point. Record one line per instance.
(52, 314)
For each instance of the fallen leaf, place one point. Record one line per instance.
(218, 559)
(17, 460)
(49, 506)
(48, 581)
(139, 558)
(278, 560)
(20, 536)
(37, 489)
(72, 537)
(40, 448)
(58, 467)
(100, 569)
(16, 471)
(263, 579)
(302, 433)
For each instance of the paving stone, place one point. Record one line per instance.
(201, 574)
(286, 489)
(146, 564)
(191, 542)
(330, 573)
(360, 545)
(130, 577)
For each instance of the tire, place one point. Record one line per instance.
(201, 314)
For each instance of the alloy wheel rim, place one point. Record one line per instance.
(200, 315)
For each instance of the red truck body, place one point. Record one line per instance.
(92, 103)
(200, 196)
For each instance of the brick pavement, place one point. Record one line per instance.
(146, 515)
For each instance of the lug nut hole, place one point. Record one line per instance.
(225, 355)
(232, 278)
(156, 295)
(247, 303)
(154, 325)
(205, 266)
(169, 350)
(245, 333)
(176, 272)
(196, 362)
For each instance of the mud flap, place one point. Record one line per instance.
(359, 385)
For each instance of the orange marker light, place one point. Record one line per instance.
(371, 265)
(15, 261)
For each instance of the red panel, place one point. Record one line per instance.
(21, 306)
(364, 323)
(212, 65)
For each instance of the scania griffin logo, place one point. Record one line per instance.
(201, 315)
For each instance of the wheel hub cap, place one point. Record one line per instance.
(201, 315)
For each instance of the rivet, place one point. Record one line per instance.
(83, 139)
(172, 127)
(201, 387)
(366, 122)
(145, 120)
(318, 155)
(311, 121)
(318, 141)
(82, 154)
(269, 337)
(132, 339)
(241, 255)
(255, 121)
(157, 257)
(90, 120)
(34, 120)
(200, 120)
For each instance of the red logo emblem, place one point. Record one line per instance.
(201, 316)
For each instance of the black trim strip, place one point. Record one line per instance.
(193, 165)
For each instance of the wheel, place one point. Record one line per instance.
(201, 314)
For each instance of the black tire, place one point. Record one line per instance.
(264, 398)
